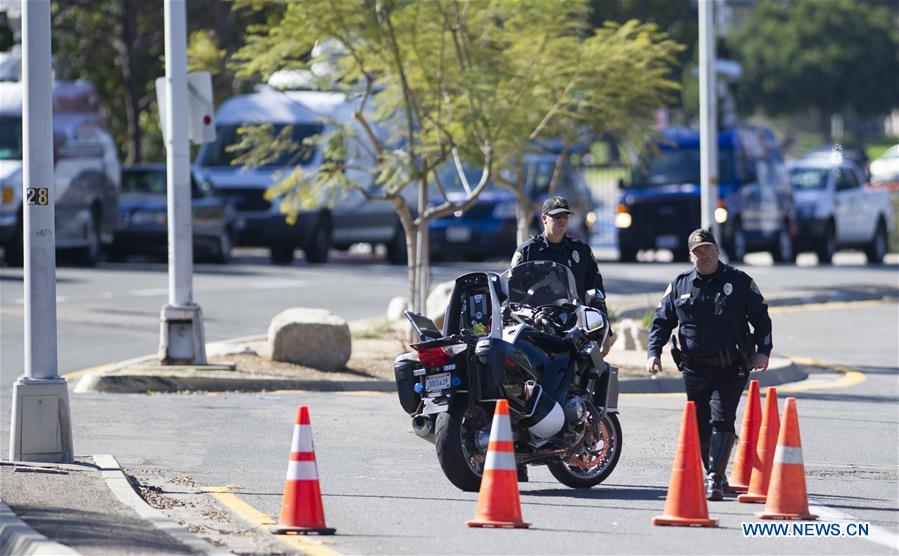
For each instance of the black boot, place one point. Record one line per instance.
(522, 473)
(719, 454)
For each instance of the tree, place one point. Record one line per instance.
(455, 83)
(832, 57)
(119, 46)
(607, 84)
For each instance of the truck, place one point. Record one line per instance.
(660, 204)
(836, 211)
(86, 173)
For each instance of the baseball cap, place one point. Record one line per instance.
(701, 237)
(556, 205)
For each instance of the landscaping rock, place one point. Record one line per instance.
(312, 337)
(435, 306)
(396, 308)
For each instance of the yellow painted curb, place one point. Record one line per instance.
(851, 377)
(262, 521)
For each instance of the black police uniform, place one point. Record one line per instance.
(570, 252)
(713, 313)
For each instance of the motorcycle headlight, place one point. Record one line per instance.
(508, 209)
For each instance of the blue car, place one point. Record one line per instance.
(143, 227)
(488, 228)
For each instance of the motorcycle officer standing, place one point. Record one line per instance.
(712, 305)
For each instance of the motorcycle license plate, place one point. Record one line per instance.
(437, 382)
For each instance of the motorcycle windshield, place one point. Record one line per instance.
(539, 283)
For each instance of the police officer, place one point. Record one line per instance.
(555, 245)
(713, 305)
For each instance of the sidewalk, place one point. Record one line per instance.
(87, 507)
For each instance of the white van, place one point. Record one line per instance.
(260, 222)
(86, 172)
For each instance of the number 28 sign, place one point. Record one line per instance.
(37, 195)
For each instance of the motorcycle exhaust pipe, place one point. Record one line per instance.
(423, 427)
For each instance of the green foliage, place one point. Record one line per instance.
(833, 56)
(876, 146)
(646, 319)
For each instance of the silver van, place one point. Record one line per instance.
(86, 173)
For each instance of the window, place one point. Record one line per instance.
(847, 180)
(10, 138)
(217, 153)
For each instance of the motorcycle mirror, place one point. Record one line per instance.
(594, 320)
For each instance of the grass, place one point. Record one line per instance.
(876, 146)
(376, 330)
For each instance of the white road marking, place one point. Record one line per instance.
(151, 292)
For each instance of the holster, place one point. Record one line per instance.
(678, 356)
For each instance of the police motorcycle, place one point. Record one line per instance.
(524, 336)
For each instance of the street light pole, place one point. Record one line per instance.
(181, 330)
(708, 121)
(41, 428)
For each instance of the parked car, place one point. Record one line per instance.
(489, 227)
(835, 211)
(143, 217)
(85, 173)
(660, 204)
(885, 169)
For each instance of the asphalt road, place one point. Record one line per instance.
(382, 486)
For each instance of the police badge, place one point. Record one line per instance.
(576, 256)
(728, 288)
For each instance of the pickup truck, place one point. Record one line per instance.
(835, 211)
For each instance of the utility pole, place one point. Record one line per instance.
(708, 120)
(181, 329)
(41, 428)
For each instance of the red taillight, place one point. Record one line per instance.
(433, 357)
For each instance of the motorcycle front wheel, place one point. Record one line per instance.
(455, 437)
(596, 459)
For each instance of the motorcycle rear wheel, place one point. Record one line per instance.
(606, 449)
(454, 436)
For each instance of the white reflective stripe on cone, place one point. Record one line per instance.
(501, 429)
(302, 471)
(503, 461)
(788, 454)
(302, 439)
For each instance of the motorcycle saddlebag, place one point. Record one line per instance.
(403, 368)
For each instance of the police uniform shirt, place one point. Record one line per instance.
(570, 252)
(713, 313)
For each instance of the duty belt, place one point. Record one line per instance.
(722, 359)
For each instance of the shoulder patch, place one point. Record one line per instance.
(754, 287)
(668, 289)
(516, 258)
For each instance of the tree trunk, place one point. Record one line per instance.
(523, 216)
(423, 245)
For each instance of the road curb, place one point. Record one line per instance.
(122, 489)
(18, 538)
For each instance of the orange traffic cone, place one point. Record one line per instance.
(498, 502)
(749, 435)
(764, 452)
(301, 508)
(787, 497)
(685, 503)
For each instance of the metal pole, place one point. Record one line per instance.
(178, 156)
(41, 428)
(182, 340)
(708, 127)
